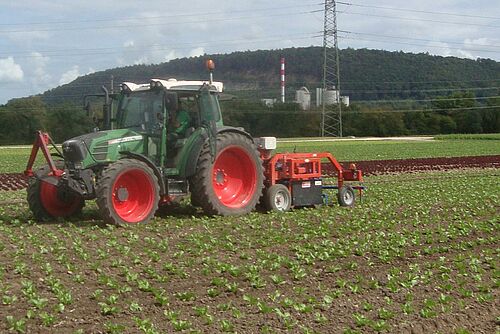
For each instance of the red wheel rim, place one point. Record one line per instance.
(133, 195)
(234, 177)
(54, 204)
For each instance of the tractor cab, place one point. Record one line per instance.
(168, 113)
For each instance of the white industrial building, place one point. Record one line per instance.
(331, 96)
(303, 98)
(268, 102)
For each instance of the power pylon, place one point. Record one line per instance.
(331, 116)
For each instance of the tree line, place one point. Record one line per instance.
(21, 118)
(459, 112)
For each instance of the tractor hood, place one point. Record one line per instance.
(101, 146)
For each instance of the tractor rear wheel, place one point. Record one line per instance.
(233, 183)
(47, 202)
(128, 192)
(195, 198)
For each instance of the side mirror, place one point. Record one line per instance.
(106, 110)
(86, 107)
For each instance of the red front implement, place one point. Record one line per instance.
(42, 140)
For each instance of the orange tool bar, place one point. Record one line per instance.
(305, 166)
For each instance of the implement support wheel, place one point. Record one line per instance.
(346, 196)
(278, 198)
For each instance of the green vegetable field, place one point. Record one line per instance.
(418, 254)
(14, 159)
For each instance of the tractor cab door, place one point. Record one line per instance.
(141, 112)
(209, 107)
(144, 112)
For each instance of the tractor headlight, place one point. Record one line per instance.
(124, 88)
(74, 150)
(155, 84)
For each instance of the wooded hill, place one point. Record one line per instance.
(366, 74)
(392, 93)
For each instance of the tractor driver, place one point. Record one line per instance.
(182, 120)
(180, 124)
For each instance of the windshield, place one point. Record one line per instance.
(139, 110)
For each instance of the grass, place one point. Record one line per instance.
(483, 136)
(386, 150)
(416, 250)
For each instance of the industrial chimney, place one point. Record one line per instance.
(282, 72)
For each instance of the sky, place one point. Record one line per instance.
(47, 43)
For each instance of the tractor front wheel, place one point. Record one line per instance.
(127, 192)
(233, 183)
(47, 202)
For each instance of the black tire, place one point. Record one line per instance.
(203, 181)
(278, 198)
(195, 200)
(140, 186)
(33, 196)
(346, 196)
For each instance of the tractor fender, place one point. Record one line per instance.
(147, 161)
(234, 129)
(192, 161)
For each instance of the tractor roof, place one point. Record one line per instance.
(173, 84)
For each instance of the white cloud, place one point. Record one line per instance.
(440, 48)
(200, 51)
(27, 37)
(254, 32)
(129, 43)
(445, 50)
(465, 54)
(40, 62)
(171, 55)
(482, 41)
(70, 75)
(10, 71)
(142, 60)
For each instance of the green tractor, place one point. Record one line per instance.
(165, 140)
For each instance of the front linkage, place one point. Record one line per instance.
(51, 193)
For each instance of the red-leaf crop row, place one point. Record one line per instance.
(13, 181)
(18, 181)
(378, 167)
